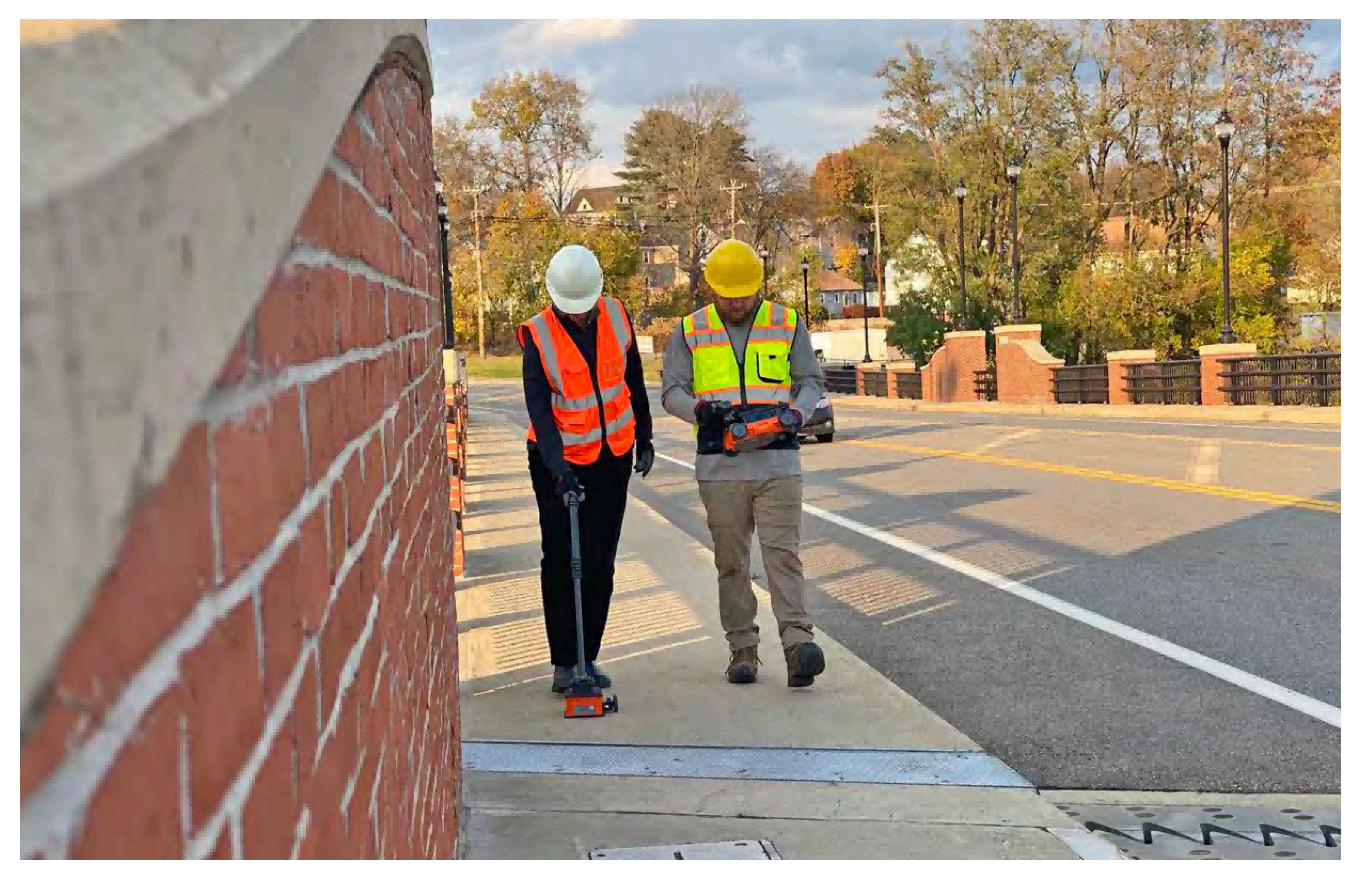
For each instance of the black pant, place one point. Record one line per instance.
(605, 483)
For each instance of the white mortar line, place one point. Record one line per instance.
(347, 674)
(1310, 706)
(238, 844)
(214, 517)
(377, 779)
(342, 170)
(51, 813)
(306, 437)
(315, 258)
(221, 406)
(186, 802)
(377, 677)
(349, 788)
(300, 830)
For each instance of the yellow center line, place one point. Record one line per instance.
(1273, 498)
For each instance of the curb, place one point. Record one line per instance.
(1330, 416)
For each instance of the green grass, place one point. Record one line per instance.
(508, 366)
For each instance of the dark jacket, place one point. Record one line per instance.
(538, 393)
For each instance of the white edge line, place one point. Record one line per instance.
(1086, 845)
(1314, 708)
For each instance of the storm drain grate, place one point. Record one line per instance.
(1210, 832)
(727, 850)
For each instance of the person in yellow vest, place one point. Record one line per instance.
(741, 352)
(588, 411)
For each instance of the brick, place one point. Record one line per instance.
(294, 316)
(327, 423)
(261, 475)
(304, 729)
(281, 621)
(351, 146)
(346, 308)
(323, 214)
(326, 829)
(270, 809)
(161, 572)
(241, 360)
(135, 810)
(221, 680)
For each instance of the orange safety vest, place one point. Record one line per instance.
(577, 410)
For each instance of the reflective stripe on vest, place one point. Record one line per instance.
(764, 370)
(576, 410)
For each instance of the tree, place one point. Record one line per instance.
(679, 155)
(778, 194)
(541, 136)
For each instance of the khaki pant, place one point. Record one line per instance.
(774, 509)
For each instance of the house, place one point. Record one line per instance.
(835, 291)
(597, 203)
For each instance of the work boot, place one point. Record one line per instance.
(562, 676)
(741, 669)
(806, 661)
(595, 672)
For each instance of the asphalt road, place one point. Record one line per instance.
(1223, 540)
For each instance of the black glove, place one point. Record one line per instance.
(711, 412)
(565, 482)
(646, 457)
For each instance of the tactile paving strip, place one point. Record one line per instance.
(1214, 832)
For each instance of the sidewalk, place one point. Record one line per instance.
(1273, 415)
(852, 767)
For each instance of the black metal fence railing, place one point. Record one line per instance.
(909, 386)
(984, 382)
(1085, 383)
(840, 378)
(1312, 379)
(876, 383)
(1164, 382)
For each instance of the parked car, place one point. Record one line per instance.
(822, 425)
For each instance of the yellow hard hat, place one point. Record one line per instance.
(734, 269)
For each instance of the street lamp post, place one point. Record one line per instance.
(807, 304)
(864, 286)
(1013, 175)
(765, 268)
(1225, 128)
(445, 286)
(960, 193)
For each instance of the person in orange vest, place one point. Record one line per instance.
(588, 411)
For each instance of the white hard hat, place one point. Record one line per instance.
(574, 279)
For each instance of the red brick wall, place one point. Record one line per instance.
(1024, 370)
(948, 378)
(270, 665)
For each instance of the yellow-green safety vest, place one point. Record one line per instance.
(763, 377)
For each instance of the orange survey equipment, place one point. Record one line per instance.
(755, 427)
(584, 697)
(586, 420)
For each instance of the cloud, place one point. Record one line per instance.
(809, 85)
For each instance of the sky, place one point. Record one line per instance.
(808, 85)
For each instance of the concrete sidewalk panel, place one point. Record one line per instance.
(839, 801)
(668, 626)
(572, 835)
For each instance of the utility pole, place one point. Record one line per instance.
(476, 192)
(878, 252)
(732, 189)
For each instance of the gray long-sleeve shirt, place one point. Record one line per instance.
(677, 396)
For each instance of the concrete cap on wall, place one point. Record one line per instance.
(1133, 354)
(965, 334)
(1222, 348)
(1018, 328)
(902, 367)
